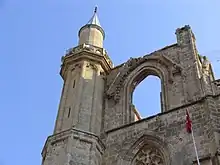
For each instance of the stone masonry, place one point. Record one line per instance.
(97, 123)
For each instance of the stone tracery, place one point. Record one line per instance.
(148, 156)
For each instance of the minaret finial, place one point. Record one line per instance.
(96, 8)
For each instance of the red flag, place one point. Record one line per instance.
(189, 130)
(188, 123)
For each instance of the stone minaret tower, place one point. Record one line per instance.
(76, 137)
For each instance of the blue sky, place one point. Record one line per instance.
(35, 34)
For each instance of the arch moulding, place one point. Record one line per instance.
(159, 59)
(134, 71)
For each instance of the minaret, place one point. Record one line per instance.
(79, 119)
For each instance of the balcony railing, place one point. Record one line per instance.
(90, 48)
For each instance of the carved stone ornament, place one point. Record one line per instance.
(92, 65)
(148, 156)
(218, 151)
(114, 88)
(77, 65)
(205, 65)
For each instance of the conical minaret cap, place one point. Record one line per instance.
(94, 20)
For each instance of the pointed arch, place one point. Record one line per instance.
(155, 67)
(127, 76)
(147, 149)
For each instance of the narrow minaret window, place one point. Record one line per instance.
(69, 112)
(74, 82)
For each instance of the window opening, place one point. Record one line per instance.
(69, 112)
(74, 82)
(147, 97)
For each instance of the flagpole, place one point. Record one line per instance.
(189, 129)
(194, 143)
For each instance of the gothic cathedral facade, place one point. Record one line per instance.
(97, 124)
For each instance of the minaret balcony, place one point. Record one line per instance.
(86, 51)
(91, 49)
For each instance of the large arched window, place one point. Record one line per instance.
(134, 79)
(147, 97)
